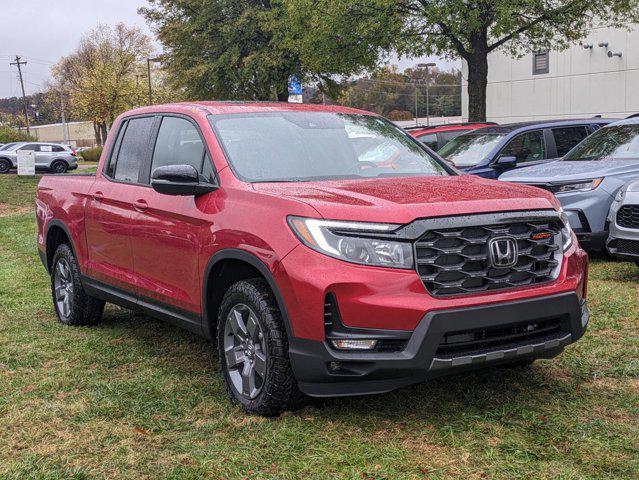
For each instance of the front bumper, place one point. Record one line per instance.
(323, 371)
(623, 242)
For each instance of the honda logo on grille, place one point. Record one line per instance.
(503, 252)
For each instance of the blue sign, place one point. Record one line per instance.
(294, 85)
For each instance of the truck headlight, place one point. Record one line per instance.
(582, 186)
(566, 231)
(353, 241)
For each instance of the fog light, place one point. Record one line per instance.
(352, 344)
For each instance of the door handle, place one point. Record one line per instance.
(140, 205)
(98, 196)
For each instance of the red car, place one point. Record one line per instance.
(436, 136)
(324, 249)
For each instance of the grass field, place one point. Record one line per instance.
(135, 398)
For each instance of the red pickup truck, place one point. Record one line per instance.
(324, 250)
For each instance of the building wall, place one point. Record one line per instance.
(580, 83)
(80, 134)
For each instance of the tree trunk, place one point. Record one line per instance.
(96, 132)
(103, 131)
(477, 82)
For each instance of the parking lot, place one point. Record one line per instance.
(137, 398)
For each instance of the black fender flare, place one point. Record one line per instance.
(57, 223)
(244, 256)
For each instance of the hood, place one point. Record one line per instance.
(402, 200)
(559, 171)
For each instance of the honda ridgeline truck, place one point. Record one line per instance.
(323, 249)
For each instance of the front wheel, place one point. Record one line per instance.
(5, 165)
(72, 304)
(59, 167)
(253, 350)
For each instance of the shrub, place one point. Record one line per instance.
(91, 154)
(396, 115)
(8, 134)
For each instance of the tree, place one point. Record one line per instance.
(224, 48)
(99, 77)
(348, 37)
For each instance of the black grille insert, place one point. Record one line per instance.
(628, 247)
(628, 216)
(454, 261)
(497, 338)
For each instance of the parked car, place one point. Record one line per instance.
(623, 239)
(51, 157)
(436, 136)
(312, 269)
(491, 151)
(587, 179)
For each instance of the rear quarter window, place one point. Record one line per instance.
(130, 149)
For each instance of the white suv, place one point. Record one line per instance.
(51, 157)
(623, 240)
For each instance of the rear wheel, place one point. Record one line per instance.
(59, 167)
(5, 165)
(253, 350)
(72, 304)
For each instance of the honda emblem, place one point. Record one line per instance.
(503, 252)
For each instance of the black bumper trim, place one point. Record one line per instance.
(363, 373)
(592, 241)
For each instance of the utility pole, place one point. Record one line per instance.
(18, 63)
(137, 86)
(65, 131)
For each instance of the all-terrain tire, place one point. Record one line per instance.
(279, 391)
(82, 309)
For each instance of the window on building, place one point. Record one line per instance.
(541, 63)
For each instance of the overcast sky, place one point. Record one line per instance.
(41, 31)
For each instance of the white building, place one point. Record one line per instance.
(598, 76)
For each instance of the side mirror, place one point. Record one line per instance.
(507, 162)
(179, 180)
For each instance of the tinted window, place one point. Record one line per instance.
(309, 146)
(429, 139)
(620, 142)
(448, 136)
(566, 138)
(527, 147)
(58, 148)
(110, 169)
(178, 143)
(31, 147)
(133, 149)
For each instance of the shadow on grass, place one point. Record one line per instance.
(492, 392)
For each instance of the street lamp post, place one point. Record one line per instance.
(148, 72)
(425, 66)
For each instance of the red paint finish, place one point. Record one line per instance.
(157, 246)
(418, 132)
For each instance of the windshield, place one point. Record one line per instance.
(470, 149)
(619, 142)
(307, 146)
(7, 146)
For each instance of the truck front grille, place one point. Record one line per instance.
(628, 216)
(456, 261)
(497, 338)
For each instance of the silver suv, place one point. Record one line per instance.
(50, 157)
(623, 241)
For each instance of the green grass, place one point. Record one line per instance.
(135, 398)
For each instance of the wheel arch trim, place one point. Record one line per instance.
(60, 224)
(260, 266)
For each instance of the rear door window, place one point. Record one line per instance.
(133, 149)
(568, 137)
(526, 147)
